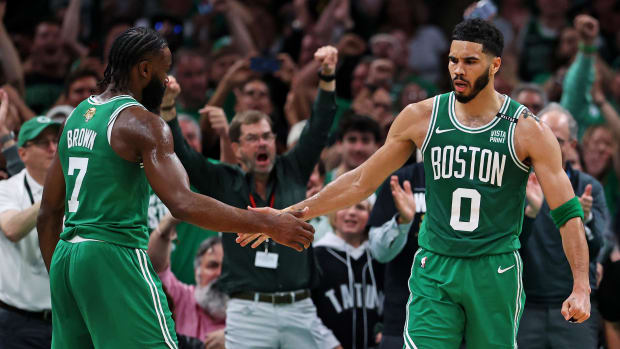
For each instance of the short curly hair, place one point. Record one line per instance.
(482, 32)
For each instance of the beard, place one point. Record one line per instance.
(211, 300)
(153, 94)
(481, 82)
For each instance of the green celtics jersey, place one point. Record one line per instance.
(475, 184)
(107, 196)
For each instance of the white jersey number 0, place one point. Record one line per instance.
(474, 216)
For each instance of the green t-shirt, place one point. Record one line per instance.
(41, 97)
(576, 95)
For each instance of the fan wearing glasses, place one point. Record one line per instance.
(269, 289)
(25, 303)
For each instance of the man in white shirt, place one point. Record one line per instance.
(25, 304)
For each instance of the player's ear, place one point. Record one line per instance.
(495, 64)
(145, 69)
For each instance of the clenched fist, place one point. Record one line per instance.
(327, 56)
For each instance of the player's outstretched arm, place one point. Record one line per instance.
(408, 129)
(49, 220)
(536, 141)
(139, 135)
(352, 187)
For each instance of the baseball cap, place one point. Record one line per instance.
(60, 113)
(32, 128)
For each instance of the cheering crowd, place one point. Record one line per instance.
(272, 100)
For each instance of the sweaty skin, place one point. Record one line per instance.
(141, 136)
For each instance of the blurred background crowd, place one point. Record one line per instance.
(231, 56)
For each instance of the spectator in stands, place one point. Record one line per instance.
(254, 95)
(191, 131)
(321, 224)
(382, 110)
(114, 30)
(359, 138)
(426, 45)
(412, 92)
(81, 84)
(46, 67)
(11, 70)
(580, 76)
(250, 92)
(358, 78)
(385, 45)
(600, 149)
(222, 59)
(381, 73)
(12, 76)
(539, 37)
(269, 290)
(584, 98)
(200, 310)
(25, 303)
(547, 276)
(393, 240)
(600, 142)
(530, 95)
(7, 137)
(516, 12)
(191, 72)
(349, 298)
(508, 78)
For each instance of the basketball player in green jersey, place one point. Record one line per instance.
(478, 147)
(105, 292)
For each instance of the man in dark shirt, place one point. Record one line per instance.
(269, 287)
(547, 275)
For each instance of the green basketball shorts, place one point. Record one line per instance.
(107, 296)
(480, 299)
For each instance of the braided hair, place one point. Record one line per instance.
(128, 49)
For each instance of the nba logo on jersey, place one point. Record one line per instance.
(423, 262)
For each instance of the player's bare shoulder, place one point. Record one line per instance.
(137, 129)
(413, 120)
(532, 135)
